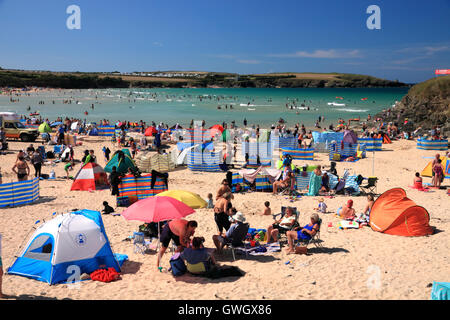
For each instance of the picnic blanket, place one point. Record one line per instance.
(251, 174)
(261, 250)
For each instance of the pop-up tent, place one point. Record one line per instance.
(66, 244)
(121, 160)
(90, 177)
(393, 213)
(44, 128)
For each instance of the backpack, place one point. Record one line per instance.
(177, 265)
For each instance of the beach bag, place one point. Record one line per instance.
(177, 265)
(336, 157)
(301, 250)
(123, 202)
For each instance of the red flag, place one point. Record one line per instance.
(442, 71)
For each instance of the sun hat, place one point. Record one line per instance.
(321, 200)
(239, 216)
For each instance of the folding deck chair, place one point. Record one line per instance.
(283, 212)
(314, 239)
(370, 187)
(238, 238)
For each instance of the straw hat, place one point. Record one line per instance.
(239, 216)
(321, 200)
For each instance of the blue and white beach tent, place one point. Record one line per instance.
(75, 239)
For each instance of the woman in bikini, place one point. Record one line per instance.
(438, 173)
(23, 170)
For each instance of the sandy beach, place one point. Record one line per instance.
(405, 266)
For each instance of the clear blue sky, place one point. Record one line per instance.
(242, 36)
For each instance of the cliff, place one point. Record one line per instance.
(427, 104)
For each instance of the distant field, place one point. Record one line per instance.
(314, 76)
(148, 79)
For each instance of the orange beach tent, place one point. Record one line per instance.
(394, 213)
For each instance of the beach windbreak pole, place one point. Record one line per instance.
(373, 163)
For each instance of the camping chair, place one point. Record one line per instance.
(140, 244)
(283, 212)
(58, 150)
(315, 239)
(237, 239)
(370, 187)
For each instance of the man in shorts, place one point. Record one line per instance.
(179, 231)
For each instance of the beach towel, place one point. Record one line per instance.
(424, 189)
(260, 250)
(105, 275)
(315, 182)
(348, 224)
(250, 174)
(440, 291)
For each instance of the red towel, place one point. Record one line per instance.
(105, 275)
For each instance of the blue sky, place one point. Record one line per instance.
(246, 36)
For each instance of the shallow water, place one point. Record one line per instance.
(258, 105)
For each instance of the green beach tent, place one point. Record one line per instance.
(44, 128)
(122, 161)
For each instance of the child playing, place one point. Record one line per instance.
(108, 209)
(267, 210)
(67, 167)
(322, 207)
(210, 201)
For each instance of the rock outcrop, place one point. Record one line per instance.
(427, 104)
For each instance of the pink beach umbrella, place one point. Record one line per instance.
(156, 209)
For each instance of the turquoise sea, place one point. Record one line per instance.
(258, 105)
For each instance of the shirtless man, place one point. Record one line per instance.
(222, 212)
(178, 230)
